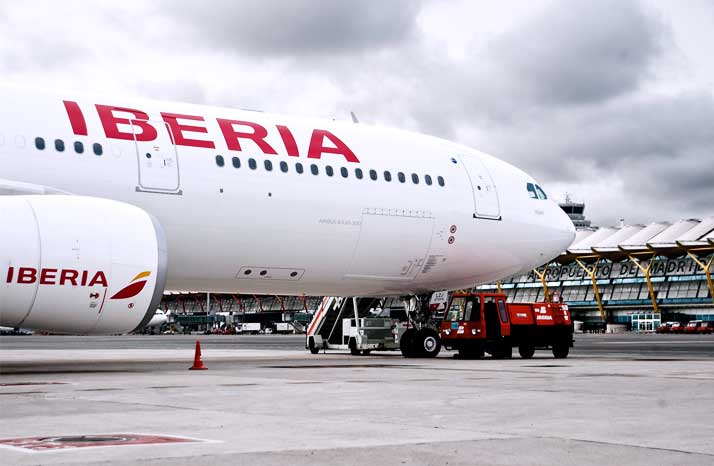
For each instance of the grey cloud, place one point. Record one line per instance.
(294, 27)
(580, 51)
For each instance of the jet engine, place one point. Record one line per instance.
(80, 265)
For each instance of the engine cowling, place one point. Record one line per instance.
(80, 265)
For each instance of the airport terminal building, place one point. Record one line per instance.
(637, 275)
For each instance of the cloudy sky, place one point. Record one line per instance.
(611, 101)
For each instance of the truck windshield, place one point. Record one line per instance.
(464, 308)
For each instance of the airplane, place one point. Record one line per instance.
(106, 202)
(157, 320)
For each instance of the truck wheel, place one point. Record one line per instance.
(526, 351)
(366, 352)
(311, 345)
(353, 347)
(561, 350)
(405, 343)
(427, 343)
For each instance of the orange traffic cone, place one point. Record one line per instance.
(197, 363)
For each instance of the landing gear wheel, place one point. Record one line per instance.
(405, 343)
(561, 350)
(427, 343)
(526, 351)
(311, 345)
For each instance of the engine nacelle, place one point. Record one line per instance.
(81, 265)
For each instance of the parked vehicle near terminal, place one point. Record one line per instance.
(252, 328)
(692, 326)
(478, 323)
(665, 327)
(707, 327)
(284, 327)
(676, 327)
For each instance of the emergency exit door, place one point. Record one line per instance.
(484, 190)
(157, 160)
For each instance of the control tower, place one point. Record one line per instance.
(575, 211)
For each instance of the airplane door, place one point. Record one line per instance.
(158, 161)
(484, 189)
(392, 245)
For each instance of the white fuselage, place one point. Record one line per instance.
(245, 230)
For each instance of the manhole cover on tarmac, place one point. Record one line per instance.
(82, 441)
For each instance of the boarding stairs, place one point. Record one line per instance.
(326, 329)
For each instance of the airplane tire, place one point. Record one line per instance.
(427, 343)
(406, 343)
(526, 350)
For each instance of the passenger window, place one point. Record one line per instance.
(252, 164)
(387, 176)
(373, 174)
(97, 148)
(532, 191)
(541, 193)
(59, 145)
(236, 162)
(401, 177)
(427, 180)
(268, 165)
(78, 147)
(298, 168)
(358, 173)
(284, 167)
(440, 180)
(329, 170)
(40, 143)
(415, 178)
(344, 172)
(219, 160)
(314, 169)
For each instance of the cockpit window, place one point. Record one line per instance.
(541, 193)
(532, 191)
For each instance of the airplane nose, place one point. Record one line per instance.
(565, 227)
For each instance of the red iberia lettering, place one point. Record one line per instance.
(144, 130)
(178, 129)
(68, 276)
(257, 135)
(76, 118)
(98, 279)
(317, 146)
(288, 140)
(26, 275)
(47, 276)
(52, 276)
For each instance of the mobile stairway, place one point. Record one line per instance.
(346, 324)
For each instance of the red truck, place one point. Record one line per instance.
(478, 323)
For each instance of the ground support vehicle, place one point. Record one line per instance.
(350, 324)
(478, 323)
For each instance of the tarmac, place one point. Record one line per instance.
(618, 399)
